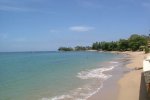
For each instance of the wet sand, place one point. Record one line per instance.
(130, 83)
(110, 87)
(126, 84)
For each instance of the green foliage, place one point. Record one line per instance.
(96, 46)
(113, 46)
(146, 49)
(77, 48)
(65, 49)
(142, 48)
(123, 45)
(82, 48)
(134, 42)
(105, 46)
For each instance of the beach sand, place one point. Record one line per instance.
(129, 85)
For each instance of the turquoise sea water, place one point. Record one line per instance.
(52, 75)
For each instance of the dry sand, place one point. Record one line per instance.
(130, 83)
(130, 86)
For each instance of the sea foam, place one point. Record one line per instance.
(114, 62)
(62, 97)
(95, 73)
(83, 93)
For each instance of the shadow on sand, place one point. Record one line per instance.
(143, 91)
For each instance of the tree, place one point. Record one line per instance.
(96, 46)
(105, 46)
(80, 48)
(123, 45)
(135, 41)
(65, 49)
(112, 46)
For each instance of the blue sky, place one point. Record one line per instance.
(35, 25)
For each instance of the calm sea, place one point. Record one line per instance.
(53, 75)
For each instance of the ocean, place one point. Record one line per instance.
(54, 75)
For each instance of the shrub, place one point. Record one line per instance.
(146, 50)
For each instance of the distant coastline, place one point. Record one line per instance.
(134, 43)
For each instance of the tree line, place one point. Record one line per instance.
(134, 43)
(77, 48)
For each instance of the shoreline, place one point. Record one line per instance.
(110, 87)
(127, 86)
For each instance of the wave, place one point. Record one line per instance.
(58, 97)
(114, 62)
(87, 90)
(62, 97)
(95, 73)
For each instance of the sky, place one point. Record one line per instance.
(46, 25)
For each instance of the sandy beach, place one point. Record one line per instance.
(130, 83)
(129, 86)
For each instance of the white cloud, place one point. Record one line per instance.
(81, 28)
